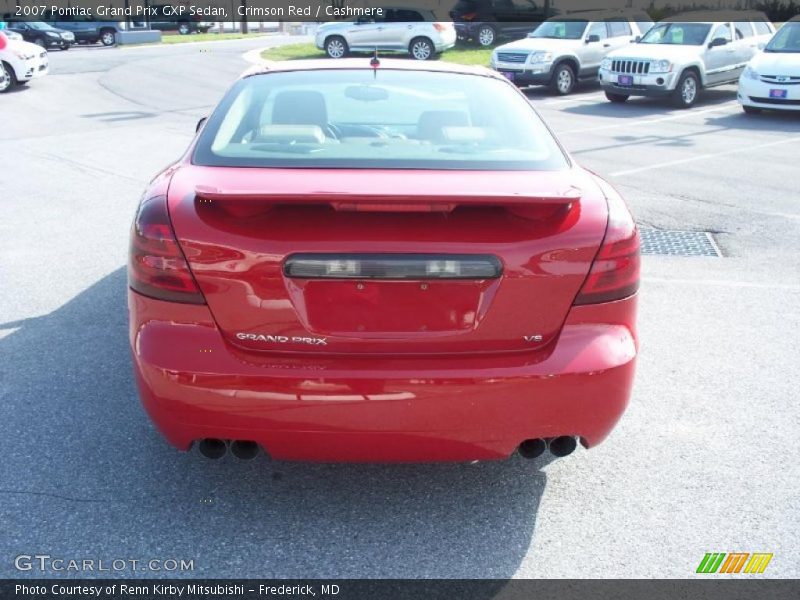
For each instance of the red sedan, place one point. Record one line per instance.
(381, 262)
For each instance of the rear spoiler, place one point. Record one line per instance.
(389, 202)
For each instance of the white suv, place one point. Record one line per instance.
(414, 31)
(561, 52)
(679, 58)
(20, 62)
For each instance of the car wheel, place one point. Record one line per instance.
(183, 29)
(687, 90)
(41, 43)
(65, 47)
(751, 110)
(108, 37)
(486, 35)
(617, 98)
(421, 49)
(336, 47)
(563, 81)
(7, 77)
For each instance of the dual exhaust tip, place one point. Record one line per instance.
(214, 448)
(563, 445)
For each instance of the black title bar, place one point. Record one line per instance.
(330, 10)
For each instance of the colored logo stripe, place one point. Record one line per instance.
(713, 562)
(758, 562)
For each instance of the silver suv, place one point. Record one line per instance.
(679, 58)
(561, 52)
(414, 31)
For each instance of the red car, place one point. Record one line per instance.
(394, 261)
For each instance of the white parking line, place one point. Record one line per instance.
(671, 117)
(576, 98)
(725, 283)
(682, 161)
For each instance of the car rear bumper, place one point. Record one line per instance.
(195, 385)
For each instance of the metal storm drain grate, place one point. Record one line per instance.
(678, 243)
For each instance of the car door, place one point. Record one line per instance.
(593, 52)
(620, 34)
(746, 44)
(719, 60)
(22, 28)
(405, 26)
(367, 32)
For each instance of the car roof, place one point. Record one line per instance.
(631, 14)
(328, 64)
(717, 16)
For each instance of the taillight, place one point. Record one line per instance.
(615, 271)
(469, 16)
(156, 266)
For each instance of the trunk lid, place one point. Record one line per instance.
(239, 229)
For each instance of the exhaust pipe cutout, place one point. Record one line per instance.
(532, 448)
(212, 448)
(563, 445)
(244, 449)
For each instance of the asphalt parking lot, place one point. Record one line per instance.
(703, 461)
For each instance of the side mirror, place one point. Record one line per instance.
(592, 38)
(637, 39)
(717, 42)
(200, 124)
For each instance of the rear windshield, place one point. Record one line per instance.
(387, 119)
(681, 34)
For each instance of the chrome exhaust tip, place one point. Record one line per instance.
(212, 448)
(563, 445)
(532, 448)
(244, 449)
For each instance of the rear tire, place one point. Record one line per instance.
(686, 92)
(421, 49)
(184, 29)
(563, 80)
(336, 47)
(41, 43)
(108, 37)
(751, 110)
(617, 98)
(8, 79)
(486, 36)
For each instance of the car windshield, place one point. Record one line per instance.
(560, 30)
(387, 119)
(786, 40)
(680, 34)
(40, 26)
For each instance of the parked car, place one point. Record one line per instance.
(559, 52)
(679, 58)
(414, 31)
(43, 34)
(168, 17)
(487, 21)
(89, 31)
(20, 62)
(393, 262)
(772, 79)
